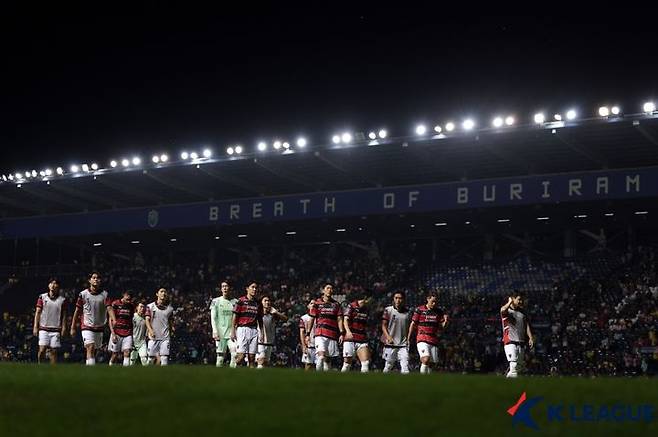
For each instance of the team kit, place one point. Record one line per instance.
(244, 329)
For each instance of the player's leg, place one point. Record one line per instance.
(425, 357)
(511, 352)
(153, 351)
(403, 357)
(520, 363)
(321, 353)
(164, 353)
(252, 346)
(89, 341)
(242, 345)
(261, 359)
(233, 350)
(363, 354)
(388, 354)
(434, 358)
(44, 342)
(55, 344)
(127, 346)
(220, 349)
(348, 355)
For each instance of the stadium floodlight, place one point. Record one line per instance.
(74, 169)
(649, 107)
(164, 157)
(184, 155)
(41, 173)
(238, 149)
(421, 129)
(194, 155)
(48, 172)
(125, 162)
(571, 114)
(155, 159)
(134, 242)
(604, 111)
(437, 129)
(382, 133)
(216, 237)
(19, 176)
(34, 173)
(262, 146)
(27, 174)
(539, 118)
(497, 122)
(60, 171)
(335, 139)
(372, 136)
(277, 145)
(242, 235)
(286, 145)
(557, 117)
(113, 163)
(207, 153)
(11, 177)
(137, 160)
(4, 178)
(450, 126)
(301, 142)
(346, 137)
(615, 110)
(468, 124)
(94, 166)
(230, 150)
(85, 168)
(98, 244)
(173, 240)
(509, 120)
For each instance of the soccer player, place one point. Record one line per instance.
(356, 337)
(49, 321)
(92, 309)
(122, 338)
(247, 324)
(428, 322)
(140, 351)
(159, 327)
(221, 319)
(327, 320)
(395, 329)
(307, 339)
(516, 333)
(270, 316)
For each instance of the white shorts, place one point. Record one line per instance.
(264, 352)
(351, 347)
(122, 344)
(327, 346)
(395, 354)
(428, 350)
(158, 347)
(309, 356)
(514, 352)
(247, 339)
(49, 339)
(91, 337)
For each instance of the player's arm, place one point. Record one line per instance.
(346, 325)
(387, 335)
(302, 335)
(149, 327)
(444, 322)
(112, 321)
(504, 308)
(341, 328)
(213, 322)
(412, 328)
(279, 315)
(531, 338)
(234, 326)
(76, 317)
(62, 320)
(37, 318)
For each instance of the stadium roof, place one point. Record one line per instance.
(601, 143)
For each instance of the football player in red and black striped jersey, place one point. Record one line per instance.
(356, 338)
(327, 320)
(429, 322)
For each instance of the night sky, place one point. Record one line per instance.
(94, 85)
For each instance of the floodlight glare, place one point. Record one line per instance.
(34, 173)
(60, 171)
(113, 163)
(184, 155)
(207, 153)
(372, 136)
(649, 107)
(125, 162)
(137, 160)
(383, 134)
(94, 166)
(604, 111)
(468, 124)
(74, 169)
(286, 145)
(155, 159)
(301, 142)
(238, 149)
(557, 117)
(230, 150)
(539, 118)
(437, 129)
(335, 139)
(262, 146)
(164, 158)
(85, 168)
(346, 137)
(615, 110)
(497, 122)
(450, 126)
(11, 177)
(19, 176)
(571, 114)
(509, 120)
(42, 173)
(194, 155)
(48, 172)
(277, 145)
(421, 129)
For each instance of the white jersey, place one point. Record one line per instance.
(159, 320)
(269, 326)
(139, 330)
(307, 319)
(51, 312)
(94, 310)
(397, 323)
(514, 326)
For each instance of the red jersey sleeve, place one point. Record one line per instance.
(314, 310)
(385, 315)
(416, 316)
(148, 312)
(79, 303)
(108, 302)
(239, 308)
(39, 302)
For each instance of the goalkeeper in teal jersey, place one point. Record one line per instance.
(221, 318)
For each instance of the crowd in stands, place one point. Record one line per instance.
(592, 316)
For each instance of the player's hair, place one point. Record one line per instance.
(363, 295)
(248, 283)
(224, 281)
(516, 293)
(161, 289)
(265, 297)
(55, 280)
(431, 293)
(142, 301)
(127, 293)
(327, 283)
(95, 272)
(401, 293)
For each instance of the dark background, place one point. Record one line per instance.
(93, 84)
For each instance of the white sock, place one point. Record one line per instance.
(512, 370)
(111, 362)
(144, 360)
(220, 361)
(404, 367)
(318, 364)
(387, 367)
(164, 361)
(326, 366)
(151, 361)
(423, 368)
(126, 361)
(259, 366)
(364, 366)
(346, 367)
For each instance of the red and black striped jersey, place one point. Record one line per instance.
(357, 317)
(123, 312)
(428, 323)
(248, 312)
(326, 318)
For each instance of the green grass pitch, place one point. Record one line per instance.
(72, 400)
